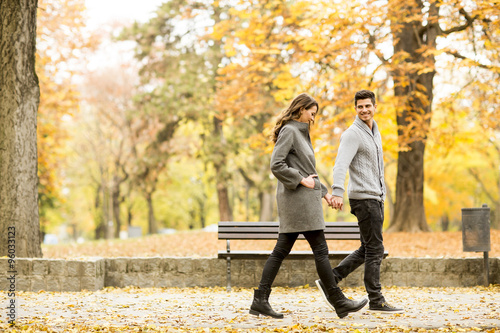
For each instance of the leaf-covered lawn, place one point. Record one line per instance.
(206, 244)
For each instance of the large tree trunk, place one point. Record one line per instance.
(409, 213)
(19, 99)
(413, 88)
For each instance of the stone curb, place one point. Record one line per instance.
(96, 273)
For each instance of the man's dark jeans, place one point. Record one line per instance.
(370, 214)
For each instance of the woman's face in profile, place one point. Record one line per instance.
(308, 115)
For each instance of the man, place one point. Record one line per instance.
(360, 151)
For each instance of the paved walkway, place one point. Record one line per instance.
(173, 309)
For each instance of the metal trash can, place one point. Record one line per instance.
(476, 233)
(476, 229)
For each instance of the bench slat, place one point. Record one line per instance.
(265, 254)
(255, 236)
(293, 254)
(275, 224)
(274, 230)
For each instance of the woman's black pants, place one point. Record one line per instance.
(283, 247)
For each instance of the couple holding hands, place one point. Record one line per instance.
(300, 210)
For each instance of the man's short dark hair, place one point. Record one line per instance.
(364, 94)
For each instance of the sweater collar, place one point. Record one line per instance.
(303, 127)
(361, 124)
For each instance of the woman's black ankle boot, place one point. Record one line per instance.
(343, 306)
(261, 306)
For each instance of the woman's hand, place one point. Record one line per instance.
(328, 198)
(309, 181)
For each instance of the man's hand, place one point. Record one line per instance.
(337, 202)
(309, 181)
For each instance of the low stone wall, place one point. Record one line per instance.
(94, 274)
(53, 275)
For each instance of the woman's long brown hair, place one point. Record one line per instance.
(294, 111)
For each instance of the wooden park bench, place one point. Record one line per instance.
(269, 230)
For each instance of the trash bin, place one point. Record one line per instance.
(476, 233)
(476, 229)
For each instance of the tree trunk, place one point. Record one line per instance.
(389, 202)
(152, 225)
(222, 176)
(225, 211)
(115, 202)
(99, 221)
(266, 206)
(409, 213)
(201, 203)
(495, 223)
(413, 87)
(19, 100)
(445, 222)
(130, 216)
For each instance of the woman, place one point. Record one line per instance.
(300, 210)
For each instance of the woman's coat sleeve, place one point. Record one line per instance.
(290, 177)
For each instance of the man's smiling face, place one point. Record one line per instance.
(366, 110)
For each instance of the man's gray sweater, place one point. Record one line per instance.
(360, 151)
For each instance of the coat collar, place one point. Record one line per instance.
(303, 127)
(361, 124)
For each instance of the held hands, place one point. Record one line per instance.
(309, 181)
(337, 202)
(334, 201)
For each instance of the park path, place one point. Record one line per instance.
(202, 309)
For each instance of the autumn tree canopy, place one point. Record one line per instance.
(184, 141)
(333, 49)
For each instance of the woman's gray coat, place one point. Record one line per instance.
(299, 208)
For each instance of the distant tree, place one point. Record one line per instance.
(180, 70)
(109, 142)
(19, 99)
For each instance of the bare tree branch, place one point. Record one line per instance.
(475, 174)
(460, 56)
(377, 52)
(462, 27)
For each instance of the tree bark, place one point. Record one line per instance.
(19, 100)
(413, 86)
(409, 213)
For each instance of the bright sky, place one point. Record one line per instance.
(101, 14)
(106, 11)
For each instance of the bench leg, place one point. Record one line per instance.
(486, 269)
(228, 287)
